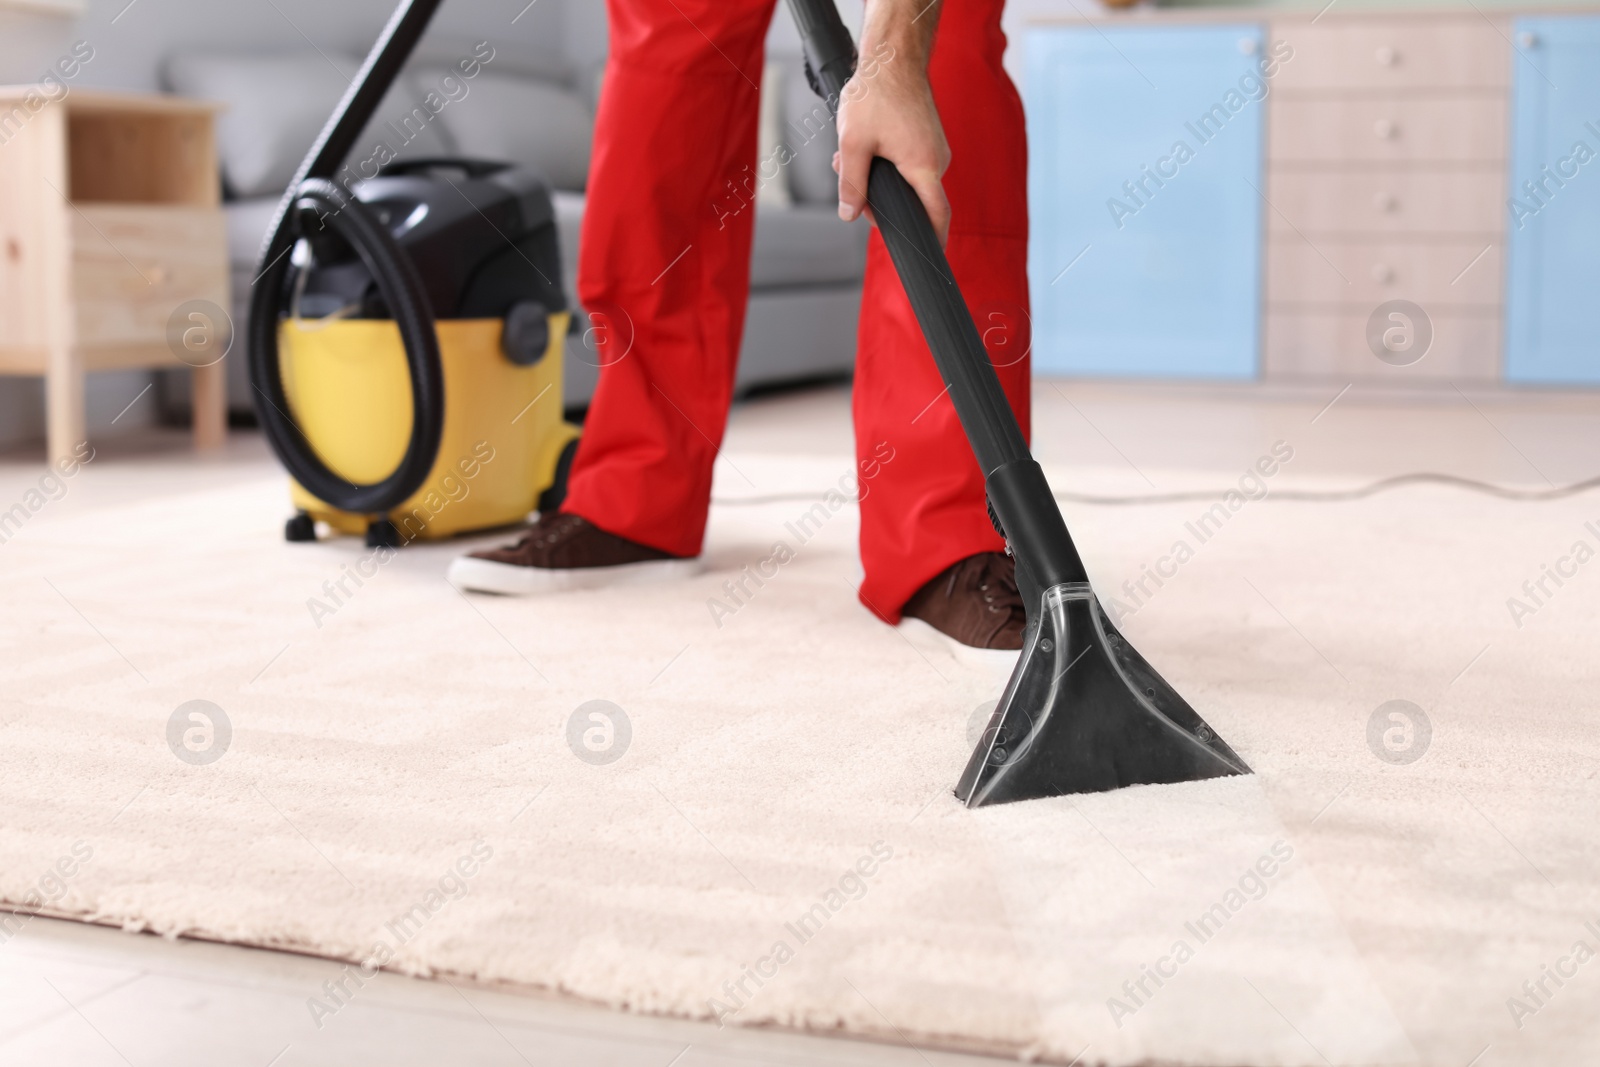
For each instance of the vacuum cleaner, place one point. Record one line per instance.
(406, 334)
(1083, 711)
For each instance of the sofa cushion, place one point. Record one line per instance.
(404, 125)
(772, 185)
(543, 126)
(806, 245)
(247, 222)
(811, 135)
(439, 50)
(276, 105)
(569, 225)
(803, 245)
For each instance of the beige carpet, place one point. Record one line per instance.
(778, 844)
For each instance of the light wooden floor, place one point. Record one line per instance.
(81, 996)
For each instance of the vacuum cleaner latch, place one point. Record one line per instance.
(526, 337)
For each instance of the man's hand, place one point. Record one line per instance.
(887, 110)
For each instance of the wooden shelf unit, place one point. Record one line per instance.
(110, 219)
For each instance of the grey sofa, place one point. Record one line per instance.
(806, 265)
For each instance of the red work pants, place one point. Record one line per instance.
(668, 267)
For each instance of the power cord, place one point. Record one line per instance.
(1306, 495)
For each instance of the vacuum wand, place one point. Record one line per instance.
(1018, 493)
(1083, 711)
(341, 212)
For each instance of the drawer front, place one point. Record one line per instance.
(1388, 130)
(1364, 274)
(1333, 345)
(1351, 204)
(1424, 53)
(134, 264)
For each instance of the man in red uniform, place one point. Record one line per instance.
(677, 121)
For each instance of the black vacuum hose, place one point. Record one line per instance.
(403, 293)
(1019, 495)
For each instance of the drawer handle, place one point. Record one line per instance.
(1528, 39)
(1249, 46)
(155, 274)
(1386, 202)
(1382, 273)
(1386, 129)
(1387, 56)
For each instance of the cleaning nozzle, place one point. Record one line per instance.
(1084, 713)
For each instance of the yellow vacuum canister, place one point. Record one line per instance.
(503, 436)
(407, 353)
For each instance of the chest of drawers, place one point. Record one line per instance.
(1386, 164)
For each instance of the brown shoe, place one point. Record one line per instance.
(565, 552)
(973, 608)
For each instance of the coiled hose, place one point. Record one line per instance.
(407, 301)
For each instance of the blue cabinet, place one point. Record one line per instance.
(1552, 315)
(1146, 161)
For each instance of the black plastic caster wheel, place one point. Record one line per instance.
(300, 529)
(550, 500)
(382, 534)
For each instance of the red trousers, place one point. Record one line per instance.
(665, 276)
